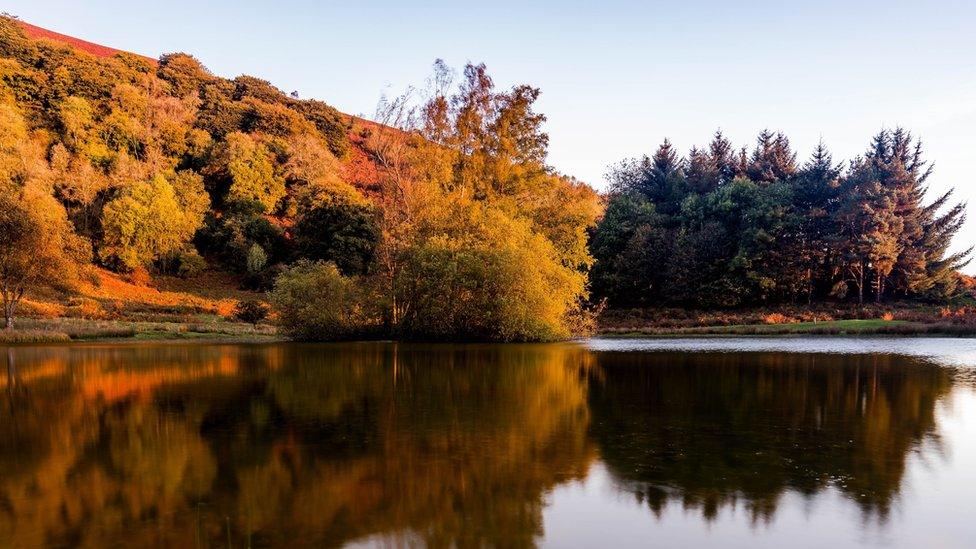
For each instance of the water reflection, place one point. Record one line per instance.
(273, 445)
(280, 445)
(711, 429)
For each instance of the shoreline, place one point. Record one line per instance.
(81, 331)
(78, 330)
(855, 328)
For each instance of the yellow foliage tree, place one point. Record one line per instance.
(249, 167)
(38, 247)
(150, 220)
(489, 277)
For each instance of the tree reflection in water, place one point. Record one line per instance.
(714, 429)
(286, 444)
(442, 445)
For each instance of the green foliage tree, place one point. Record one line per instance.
(338, 229)
(247, 169)
(145, 223)
(494, 279)
(315, 301)
(685, 233)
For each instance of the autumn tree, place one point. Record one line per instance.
(38, 247)
(246, 170)
(151, 219)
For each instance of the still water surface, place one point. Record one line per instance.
(608, 443)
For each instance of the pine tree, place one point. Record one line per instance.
(815, 196)
(896, 161)
(701, 175)
(723, 159)
(772, 159)
(665, 185)
(785, 232)
(869, 227)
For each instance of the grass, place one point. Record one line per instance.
(108, 306)
(851, 326)
(894, 318)
(75, 329)
(32, 336)
(834, 327)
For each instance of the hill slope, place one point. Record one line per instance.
(98, 50)
(358, 166)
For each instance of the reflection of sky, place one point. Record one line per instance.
(943, 350)
(933, 510)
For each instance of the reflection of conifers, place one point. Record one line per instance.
(322, 444)
(708, 430)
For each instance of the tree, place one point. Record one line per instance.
(772, 159)
(145, 223)
(490, 279)
(482, 149)
(779, 234)
(247, 170)
(338, 229)
(251, 311)
(38, 247)
(815, 197)
(257, 260)
(315, 302)
(619, 239)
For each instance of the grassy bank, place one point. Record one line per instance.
(59, 330)
(110, 307)
(895, 319)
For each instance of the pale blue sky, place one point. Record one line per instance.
(616, 77)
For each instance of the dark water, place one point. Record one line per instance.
(731, 443)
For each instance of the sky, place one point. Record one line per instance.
(616, 77)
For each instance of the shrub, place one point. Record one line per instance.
(251, 311)
(777, 318)
(33, 336)
(191, 264)
(83, 307)
(139, 276)
(184, 264)
(315, 302)
(501, 282)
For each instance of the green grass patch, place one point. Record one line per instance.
(833, 327)
(853, 325)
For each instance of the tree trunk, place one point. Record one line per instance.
(10, 300)
(809, 285)
(8, 313)
(860, 285)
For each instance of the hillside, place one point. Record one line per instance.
(358, 166)
(98, 50)
(168, 193)
(200, 298)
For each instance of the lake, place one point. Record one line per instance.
(837, 442)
